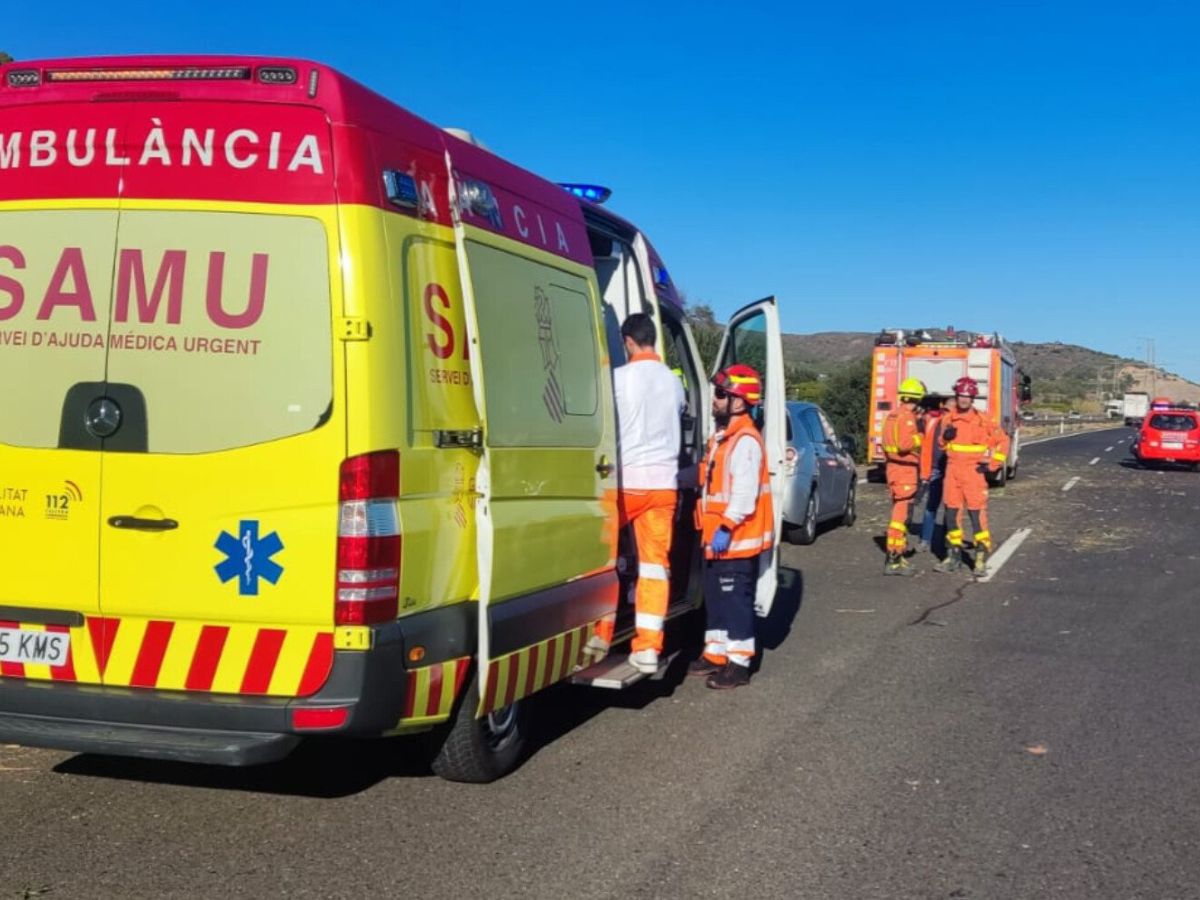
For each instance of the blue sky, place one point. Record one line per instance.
(1029, 167)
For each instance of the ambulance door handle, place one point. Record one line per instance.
(142, 524)
(604, 467)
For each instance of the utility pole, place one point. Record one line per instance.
(1150, 362)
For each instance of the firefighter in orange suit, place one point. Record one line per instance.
(974, 448)
(735, 519)
(650, 404)
(902, 448)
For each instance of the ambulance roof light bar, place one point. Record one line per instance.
(593, 193)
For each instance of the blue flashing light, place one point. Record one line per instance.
(593, 193)
(661, 278)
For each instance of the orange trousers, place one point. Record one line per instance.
(652, 514)
(966, 491)
(902, 483)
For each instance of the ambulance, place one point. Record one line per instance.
(308, 423)
(938, 358)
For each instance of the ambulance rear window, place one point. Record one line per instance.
(218, 321)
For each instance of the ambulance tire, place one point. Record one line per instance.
(999, 478)
(478, 751)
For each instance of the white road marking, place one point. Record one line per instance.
(1007, 549)
(862, 481)
(1070, 484)
(1094, 461)
(1108, 449)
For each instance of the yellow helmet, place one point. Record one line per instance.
(912, 389)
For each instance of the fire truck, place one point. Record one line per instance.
(939, 357)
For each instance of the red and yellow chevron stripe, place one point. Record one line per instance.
(188, 656)
(527, 671)
(432, 690)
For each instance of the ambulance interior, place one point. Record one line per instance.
(622, 288)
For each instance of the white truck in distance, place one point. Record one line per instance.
(1137, 404)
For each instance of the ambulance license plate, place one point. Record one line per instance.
(47, 648)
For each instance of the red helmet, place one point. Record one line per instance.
(741, 381)
(966, 387)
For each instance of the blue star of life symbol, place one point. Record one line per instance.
(248, 558)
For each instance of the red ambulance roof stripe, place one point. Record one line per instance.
(151, 653)
(206, 657)
(262, 660)
(358, 129)
(104, 634)
(320, 662)
(65, 672)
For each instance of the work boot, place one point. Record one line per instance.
(923, 546)
(704, 667)
(952, 563)
(981, 558)
(897, 565)
(644, 661)
(730, 676)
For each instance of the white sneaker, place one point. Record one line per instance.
(596, 647)
(644, 661)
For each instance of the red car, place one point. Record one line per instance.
(1169, 436)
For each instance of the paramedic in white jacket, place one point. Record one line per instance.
(650, 403)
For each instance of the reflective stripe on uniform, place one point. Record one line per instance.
(983, 535)
(649, 622)
(741, 652)
(1000, 457)
(899, 526)
(955, 537)
(653, 570)
(967, 448)
(752, 543)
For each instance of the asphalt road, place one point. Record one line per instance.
(1034, 736)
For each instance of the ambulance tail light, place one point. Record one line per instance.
(368, 545)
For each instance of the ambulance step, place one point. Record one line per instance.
(615, 673)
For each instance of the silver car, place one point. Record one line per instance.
(821, 477)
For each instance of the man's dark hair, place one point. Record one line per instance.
(640, 327)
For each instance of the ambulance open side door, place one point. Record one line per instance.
(545, 513)
(754, 338)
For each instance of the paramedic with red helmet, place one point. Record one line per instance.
(974, 447)
(735, 520)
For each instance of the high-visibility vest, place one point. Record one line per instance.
(901, 437)
(753, 534)
(929, 444)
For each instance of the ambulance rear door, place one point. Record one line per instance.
(753, 337)
(58, 227)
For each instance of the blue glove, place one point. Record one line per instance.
(983, 468)
(720, 540)
(949, 432)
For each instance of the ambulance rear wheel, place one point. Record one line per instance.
(482, 750)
